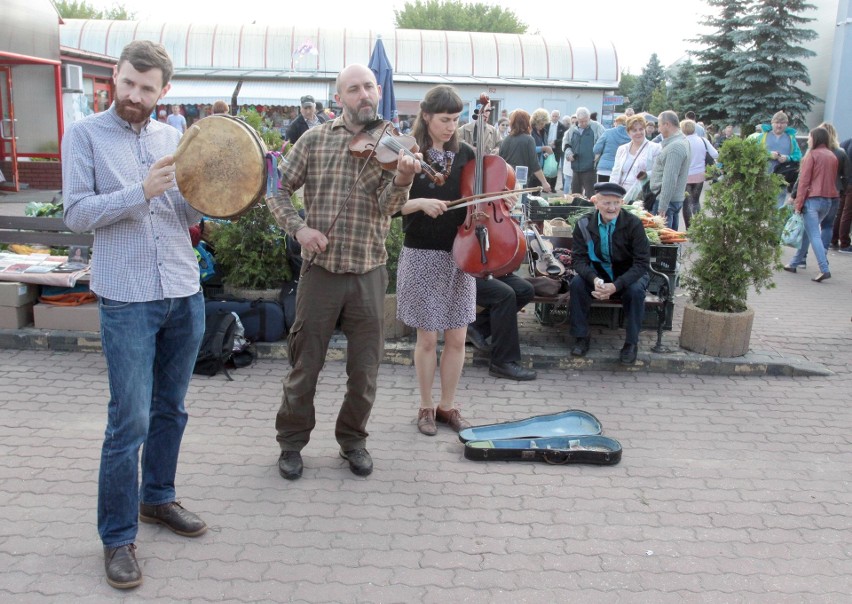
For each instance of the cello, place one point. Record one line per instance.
(489, 242)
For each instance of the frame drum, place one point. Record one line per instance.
(220, 166)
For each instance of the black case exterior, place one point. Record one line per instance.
(600, 450)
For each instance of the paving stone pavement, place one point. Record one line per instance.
(731, 488)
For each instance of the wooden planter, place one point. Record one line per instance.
(716, 334)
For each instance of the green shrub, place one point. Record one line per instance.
(252, 251)
(734, 240)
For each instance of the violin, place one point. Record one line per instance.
(385, 146)
(546, 263)
(489, 242)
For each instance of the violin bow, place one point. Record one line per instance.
(485, 197)
(310, 261)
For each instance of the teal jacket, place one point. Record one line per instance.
(795, 152)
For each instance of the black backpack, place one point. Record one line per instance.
(217, 346)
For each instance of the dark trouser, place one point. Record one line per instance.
(632, 301)
(692, 203)
(603, 177)
(843, 220)
(358, 300)
(551, 180)
(584, 183)
(502, 298)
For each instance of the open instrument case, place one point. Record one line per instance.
(572, 436)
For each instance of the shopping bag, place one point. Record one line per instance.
(793, 231)
(551, 167)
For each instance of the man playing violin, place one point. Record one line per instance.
(348, 279)
(611, 255)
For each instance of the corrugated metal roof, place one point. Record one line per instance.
(234, 50)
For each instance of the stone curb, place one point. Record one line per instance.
(401, 352)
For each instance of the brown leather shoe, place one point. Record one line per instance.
(452, 418)
(426, 421)
(122, 569)
(174, 517)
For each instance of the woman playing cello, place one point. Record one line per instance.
(433, 293)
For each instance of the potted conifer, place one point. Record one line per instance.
(734, 246)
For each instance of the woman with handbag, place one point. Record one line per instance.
(703, 155)
(539, 121)
(634, 157)
(816, 189)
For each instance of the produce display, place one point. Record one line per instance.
(655, 226)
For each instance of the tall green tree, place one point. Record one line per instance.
(71, 9)
(626, 83)
(453, 15)
(648, 81)
(717, 59)
(768, 68)
(682, 91)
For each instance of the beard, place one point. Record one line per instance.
(363, 115)
(134, 113)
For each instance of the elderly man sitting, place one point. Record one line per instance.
(610, 255)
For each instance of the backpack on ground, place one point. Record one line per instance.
(217, 346)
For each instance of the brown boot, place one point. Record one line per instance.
(451, 417)
(426, 421)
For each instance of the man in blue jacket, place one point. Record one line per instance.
(610, 255)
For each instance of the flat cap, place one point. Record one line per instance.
(308, 99)
(610, 188)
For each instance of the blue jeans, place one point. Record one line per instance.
(632, 301)
(826, 227)
(673, 214)
(150, 350)
(815, 211)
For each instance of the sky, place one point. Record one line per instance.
(637, 29)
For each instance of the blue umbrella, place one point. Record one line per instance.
(381, 67)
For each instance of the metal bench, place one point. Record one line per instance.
(660, 301)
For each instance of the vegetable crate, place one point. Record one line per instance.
(666, 257)
(541, 213)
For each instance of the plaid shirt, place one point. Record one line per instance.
(142, 248)
(320, 160)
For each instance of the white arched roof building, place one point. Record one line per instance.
(277, 64)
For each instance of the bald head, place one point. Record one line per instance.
(357, 72)
(358, 94)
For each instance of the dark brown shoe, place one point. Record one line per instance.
(452, 418)
(174, 517)
(122, 569)
(426, 421)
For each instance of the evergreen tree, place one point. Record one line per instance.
(659, 100)
(718, 57)
(648, 81)
(768, 66)
(682, 93)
